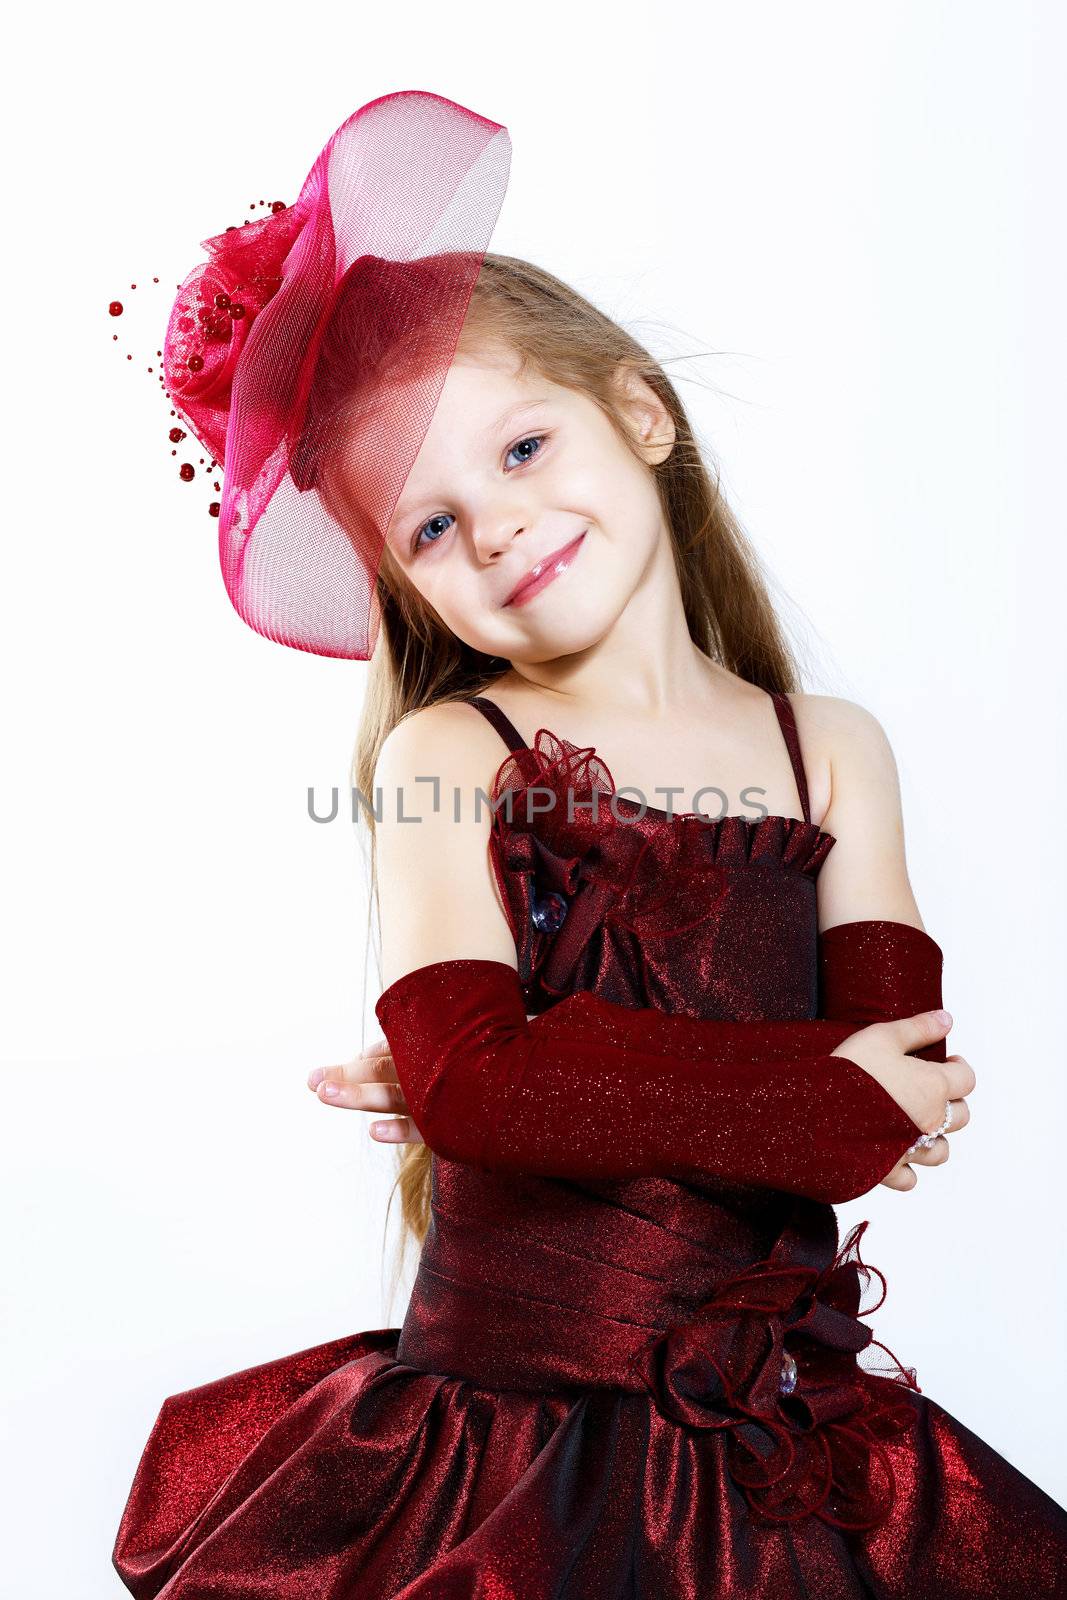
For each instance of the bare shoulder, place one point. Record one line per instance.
(437, 894)
(450, 742)
(844, 735)
(866, 873)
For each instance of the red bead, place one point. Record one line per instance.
(222, 301)
(186, 473)
(115, 308)
(237, 311)
(195, 363)
(176, 435)
(214, 508)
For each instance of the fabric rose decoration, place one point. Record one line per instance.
(771, 1360)
(213, 315)
(582, 864)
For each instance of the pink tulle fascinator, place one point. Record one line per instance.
(307, 354)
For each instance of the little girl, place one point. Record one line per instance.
(648, 1015)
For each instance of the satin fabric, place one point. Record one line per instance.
(583, 1394)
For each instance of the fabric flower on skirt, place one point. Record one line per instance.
(771, 1358)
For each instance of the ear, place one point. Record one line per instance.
(644, 414)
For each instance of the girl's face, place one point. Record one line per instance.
(526, 523)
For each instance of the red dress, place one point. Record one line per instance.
(535, 1428)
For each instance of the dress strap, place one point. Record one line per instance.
(506, 729)
(782, 705)
(787, 719)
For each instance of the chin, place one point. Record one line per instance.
(564, 636)
(553, 626)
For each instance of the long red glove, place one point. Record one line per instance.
(878, 971)
(593, 1089)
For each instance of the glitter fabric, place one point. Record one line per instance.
(623, 1375)
(591, 1089)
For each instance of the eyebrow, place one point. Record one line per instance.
(513, 411)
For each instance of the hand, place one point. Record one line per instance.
(369, 1083)
(921, 1088)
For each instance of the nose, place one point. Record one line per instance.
(492, 536)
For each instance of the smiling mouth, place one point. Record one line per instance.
(545, 571)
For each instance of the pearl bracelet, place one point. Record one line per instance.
(925, 1140)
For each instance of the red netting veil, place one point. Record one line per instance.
(309, 351)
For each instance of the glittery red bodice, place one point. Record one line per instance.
(700, 917)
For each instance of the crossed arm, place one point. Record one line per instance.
(589, 1088)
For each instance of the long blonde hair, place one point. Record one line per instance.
(418, 662)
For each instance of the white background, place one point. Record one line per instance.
(861, 210)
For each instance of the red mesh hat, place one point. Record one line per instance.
(318, 338)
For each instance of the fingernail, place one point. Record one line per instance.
(381, 1130)
(331, 1090)
(316, 1077)
(943, 1016)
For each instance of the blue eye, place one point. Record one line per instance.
(442, 516)
(536, 439)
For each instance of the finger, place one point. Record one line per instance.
(362, 1096)
(370, 1058)
(926, 1027)
(947, 1124)
(932, 1155)
(901, 1178)
(380, 1047)
(371, 1066)
(397, 1130)
(961, 1115)
(956, 1081)
(959, 1076)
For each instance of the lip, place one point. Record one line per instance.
(544, 571)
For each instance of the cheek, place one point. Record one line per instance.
(629, 523)
(639, 525)
(458, 603)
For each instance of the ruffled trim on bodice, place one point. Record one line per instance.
(573, 856)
